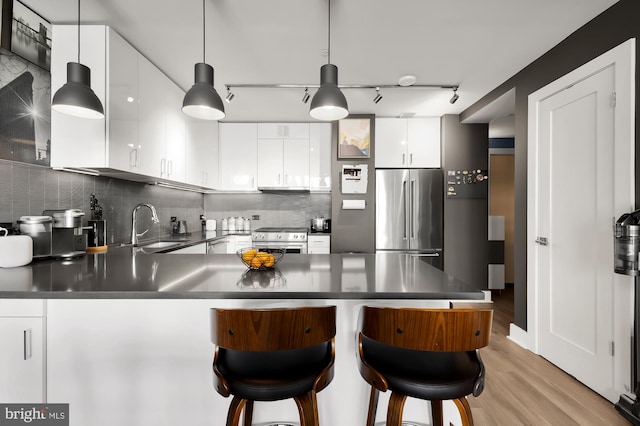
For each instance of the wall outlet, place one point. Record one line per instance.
(255, 217)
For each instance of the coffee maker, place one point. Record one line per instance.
(67, 239)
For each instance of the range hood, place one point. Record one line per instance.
(284, 189)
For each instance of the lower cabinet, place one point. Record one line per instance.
(22, 376)
(319, 244)
(237, 242)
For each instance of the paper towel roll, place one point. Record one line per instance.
(353, 204)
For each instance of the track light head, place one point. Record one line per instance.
(378, 96)
(455, 96)
(229, 96)
(306, 96)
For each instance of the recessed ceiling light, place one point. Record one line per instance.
(407, 80)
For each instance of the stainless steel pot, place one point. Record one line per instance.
(319, 224)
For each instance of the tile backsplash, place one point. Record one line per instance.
(27, 189)
(293, 210)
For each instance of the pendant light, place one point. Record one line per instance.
(202, 101)
(329, 103)
(75, 97)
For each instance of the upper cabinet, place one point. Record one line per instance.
(320, 157)
(238, 156)
(283, 155)
(145, 136)
(407, 142)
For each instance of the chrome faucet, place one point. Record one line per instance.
(134, 221)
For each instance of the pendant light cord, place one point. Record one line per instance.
(203, 36)
(78, 31)
(329, 42)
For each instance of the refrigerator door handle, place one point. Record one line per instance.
(404, 206)
(426, 255)
(411, 207)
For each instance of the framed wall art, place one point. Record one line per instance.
(30, 35)
(354, 138)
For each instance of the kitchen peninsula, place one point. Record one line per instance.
(125, 335)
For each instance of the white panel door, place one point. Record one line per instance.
(424, 142)
(574, 214)
(270, 172)
(295, 155)
(238, 156)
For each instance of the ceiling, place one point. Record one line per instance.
(476, 44)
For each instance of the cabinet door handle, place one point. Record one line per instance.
(133, 155)
(410, 159)
(28, 351)
(162, 166)
(169, 168)
(403, 159)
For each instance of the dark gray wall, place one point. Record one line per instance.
(352, 230)
(465, 147)
(27, 190)
(614, 26)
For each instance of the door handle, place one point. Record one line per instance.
(404, 206)
(411, 207)
(542, 241)
(28, 351)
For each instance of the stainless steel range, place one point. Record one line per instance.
(292, 240)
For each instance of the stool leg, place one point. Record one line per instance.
(235, 409)
(373, 406)
(465, 411)
(436, 412)
(395, 408)
(248, 413)
(308, 409)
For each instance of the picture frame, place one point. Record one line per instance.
(30, 35)
(354, 138)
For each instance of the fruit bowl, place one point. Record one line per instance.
(260, 259)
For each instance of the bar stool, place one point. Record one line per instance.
(271, 355)
(430, 354)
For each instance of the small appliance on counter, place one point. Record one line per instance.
(321, 225)
(97, 229)
(179, 227)
(67, 238)
(39, 229)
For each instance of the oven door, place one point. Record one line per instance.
(287, 246)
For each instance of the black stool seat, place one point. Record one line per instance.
(424, 375)
(272, 376)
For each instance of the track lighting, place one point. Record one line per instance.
(305, 97)
(455, 96)
(229, 96)
(75, 97)
(378, 96)
(329, 103)
(202, 101)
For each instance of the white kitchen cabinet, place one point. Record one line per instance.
(202, 152)
(283, 163)
(407, 142)
(22, 333)
(144, 133)
(283, 130)
(320, 157)
(238, 156)
(318, 244)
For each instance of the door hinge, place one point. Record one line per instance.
(613, 100)
(613, 348)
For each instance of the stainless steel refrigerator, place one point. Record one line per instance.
(409, 213)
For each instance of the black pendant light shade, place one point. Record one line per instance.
(202, 100)
(329, 102)
(76, 97)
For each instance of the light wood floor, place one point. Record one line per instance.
(525, 389)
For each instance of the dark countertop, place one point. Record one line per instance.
(125, 273)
